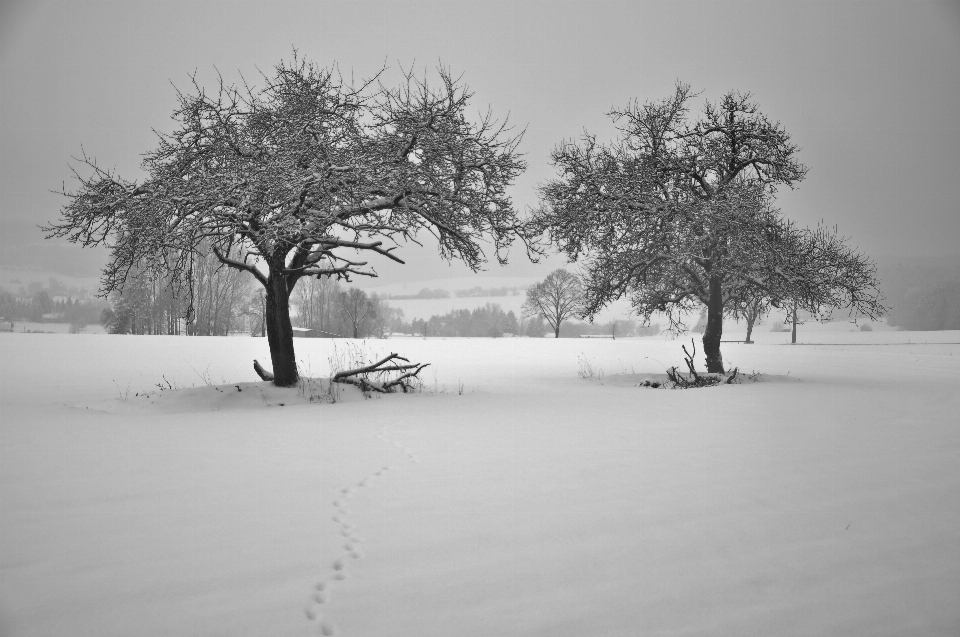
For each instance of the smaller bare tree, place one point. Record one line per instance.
(752, 310)
(556, 298)
(356, 311)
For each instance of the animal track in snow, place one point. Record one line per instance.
(351, 548)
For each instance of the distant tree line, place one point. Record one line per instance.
(479, 292)
(489, 320)
(213, 300)
(324, 306)
(474, 292)
(425, 293)
(614, 329)
(207, 299)
(41, 306)
(492, 322)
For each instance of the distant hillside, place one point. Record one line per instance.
(923, 293)
(36, 279)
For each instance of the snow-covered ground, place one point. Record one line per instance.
(510, 497)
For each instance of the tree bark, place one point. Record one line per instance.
(556, 331)
(714, 331)
(793, 331)
(750, 320)
(280, 332)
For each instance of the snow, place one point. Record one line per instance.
(510, 497)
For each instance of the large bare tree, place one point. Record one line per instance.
(556, 298)
(678, 214)
(303, 175)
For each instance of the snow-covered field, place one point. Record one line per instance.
(510, 497)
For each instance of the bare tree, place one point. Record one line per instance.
(679, 214)
(356, 311)
(302, 174)
(751, 310)
(556, 298)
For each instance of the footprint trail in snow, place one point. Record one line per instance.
(350, 549)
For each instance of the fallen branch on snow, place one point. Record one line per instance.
(261, 372)
(693, 379)
(361, 376)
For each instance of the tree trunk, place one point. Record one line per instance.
(750, 320)
(793, 331)
(280, 333)
(714, 331)
(556, 331)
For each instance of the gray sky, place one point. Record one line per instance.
(870, 91)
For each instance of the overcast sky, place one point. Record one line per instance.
(869, 90)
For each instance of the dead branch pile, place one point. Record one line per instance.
(376, 376)
(693, 379)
